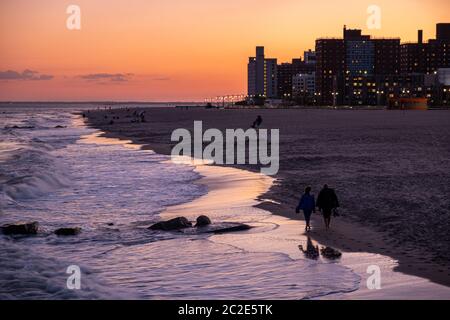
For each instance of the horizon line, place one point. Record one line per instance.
(100, 102)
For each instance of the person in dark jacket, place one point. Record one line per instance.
(257, 123)
(327, 201)
(308, 205)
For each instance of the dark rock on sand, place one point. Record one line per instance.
(235, 228)
(20, 228)
(20, 127)
(224, 227)
(203, 221)
(330, 253)
(68, 231)
(174, 224)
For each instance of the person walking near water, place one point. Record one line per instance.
(257, 123)
(327, 201)
(308, 205)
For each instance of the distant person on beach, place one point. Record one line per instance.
(257, 123)
(327, 201)
(308, 205)
(142, 116)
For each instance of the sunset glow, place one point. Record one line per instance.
(175, 50)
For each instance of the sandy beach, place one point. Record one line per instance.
(390, 170)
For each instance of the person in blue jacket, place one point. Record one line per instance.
(308, 205)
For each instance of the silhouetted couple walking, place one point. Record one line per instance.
(327, 202)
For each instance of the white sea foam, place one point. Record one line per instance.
(113, 193)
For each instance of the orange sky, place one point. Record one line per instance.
(174, 50)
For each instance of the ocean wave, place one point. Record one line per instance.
(114, 193)
(28, 167)
(27, 275)
(27, 187)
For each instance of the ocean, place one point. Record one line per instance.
(58, 172)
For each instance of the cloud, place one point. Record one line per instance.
(114, 77)
(25, 75)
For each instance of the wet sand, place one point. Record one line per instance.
(411, 251)
(235, 190)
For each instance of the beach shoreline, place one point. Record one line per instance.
(346, 235)
(238, 188)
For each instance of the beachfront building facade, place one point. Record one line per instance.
(358, 70)
(330, 64)
(303, 83)
(256, 73)
(443, 87)
(286, 72)
(444, 76)
(270, 78)
(367, 61)
(387, 56)
(310, 57)
(427, 57)
(359, 67)
(303, 88)
(262, 76)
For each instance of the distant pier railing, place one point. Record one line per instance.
(226, 100)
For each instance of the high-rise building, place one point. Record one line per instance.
(413, 56)
(427, 57)
(360, 70)
(354, 34)
(443, 31)
(330, 64)
(286, 71)
(270, 79)
(303, 84)
(444, 76)
(438, 52)
(310, 57)
(262, 75)
(256, 73)
(347, 68)
(387, 56)
(365, 59)
(359, 67)
(359, 57)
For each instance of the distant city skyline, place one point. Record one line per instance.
(357, 70)
(174, 50)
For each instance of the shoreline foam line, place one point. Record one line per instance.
(232, 187)
(285, 239)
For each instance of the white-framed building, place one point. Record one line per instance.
(303, 84)
(444, 76)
